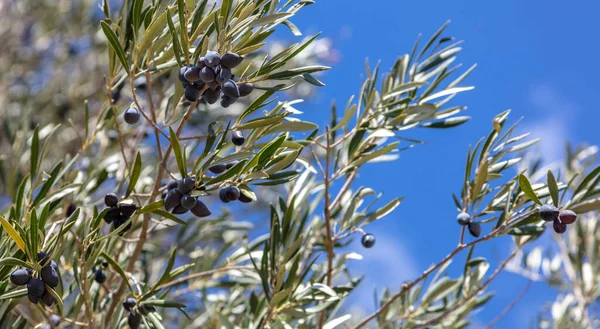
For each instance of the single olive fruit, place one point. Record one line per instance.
(232, 193)
(115, 95)
(567, 216)
(223, 196)
(200, 209)
(172, 184)
(243, 198)
(181, 74)
(368, 240)
(463, 218)
(179, 210)
(223, 75)
(237, 138)
(226, 101)
(42, 257)
(245, 88)
(35, 287)
(132, 115)
(549, 212)
(212, 59)
(112, 214)
(129, 303)
(70, 210)
(49, 276)
(207, 75)
(127, 209)
(32, 298)
(104, 264)
(163, 194)
(191, 93)
(212, 96)
(188, 201)
(200, 62)
(47, 298)
(231, 60)
(474, 229)
(217, 169)
(230, 89)
(187, 185)
(20, 277)
(559, 227)
(134, 320)
(192, 74)
(173, 199)
(100, 276)
(111, 199)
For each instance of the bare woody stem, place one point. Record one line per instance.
(327, 215)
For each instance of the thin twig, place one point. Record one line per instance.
(327, 215)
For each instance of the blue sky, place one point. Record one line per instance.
(538, 58)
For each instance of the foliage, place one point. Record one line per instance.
(299, 178)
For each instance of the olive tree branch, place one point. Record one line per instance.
(509, 306)
(327, 215)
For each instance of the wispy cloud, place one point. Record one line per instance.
(554, 114)
(388, 264)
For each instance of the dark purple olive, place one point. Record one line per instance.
(223, 196)
(207, 75)
(181, 73)
(172, 184)
(188, 201)
(49, 276)
(47, 298)
(231, 164)
(368, 240)
(179, 210)
(230, 89)
(42, 257)
(132, 115)
(227, 101)
(474, 229)
(549, 212)
(191, 93)
(245, 88)
(32, 298)
(559, 227)
(70, 210)
(200, 209)
(187, 185)
(35, 287)
(212, 59)
(232, 193)
(129, 304)
(237, 138)
(200, 62)
(127, 209)
(231, 60)
(112, 214)
(163, 194)
(111, 199)
(224, 74)
(20, 277)
(567, 216)
(100, 276)
(192, 74)
(217, 169)
(134, 320)
(463, 218)
(173, 199)
(212, 96)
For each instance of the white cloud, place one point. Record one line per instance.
(388, 264)
(553, 116)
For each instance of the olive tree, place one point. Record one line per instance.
(159, 175)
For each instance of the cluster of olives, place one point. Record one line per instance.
(134, 319)
(232, 193)
(118, 213)
(465, 219)
(178, 199)
(132, 115)
(38, 288)
(560, 218)
(212, 73)
(368, 240)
